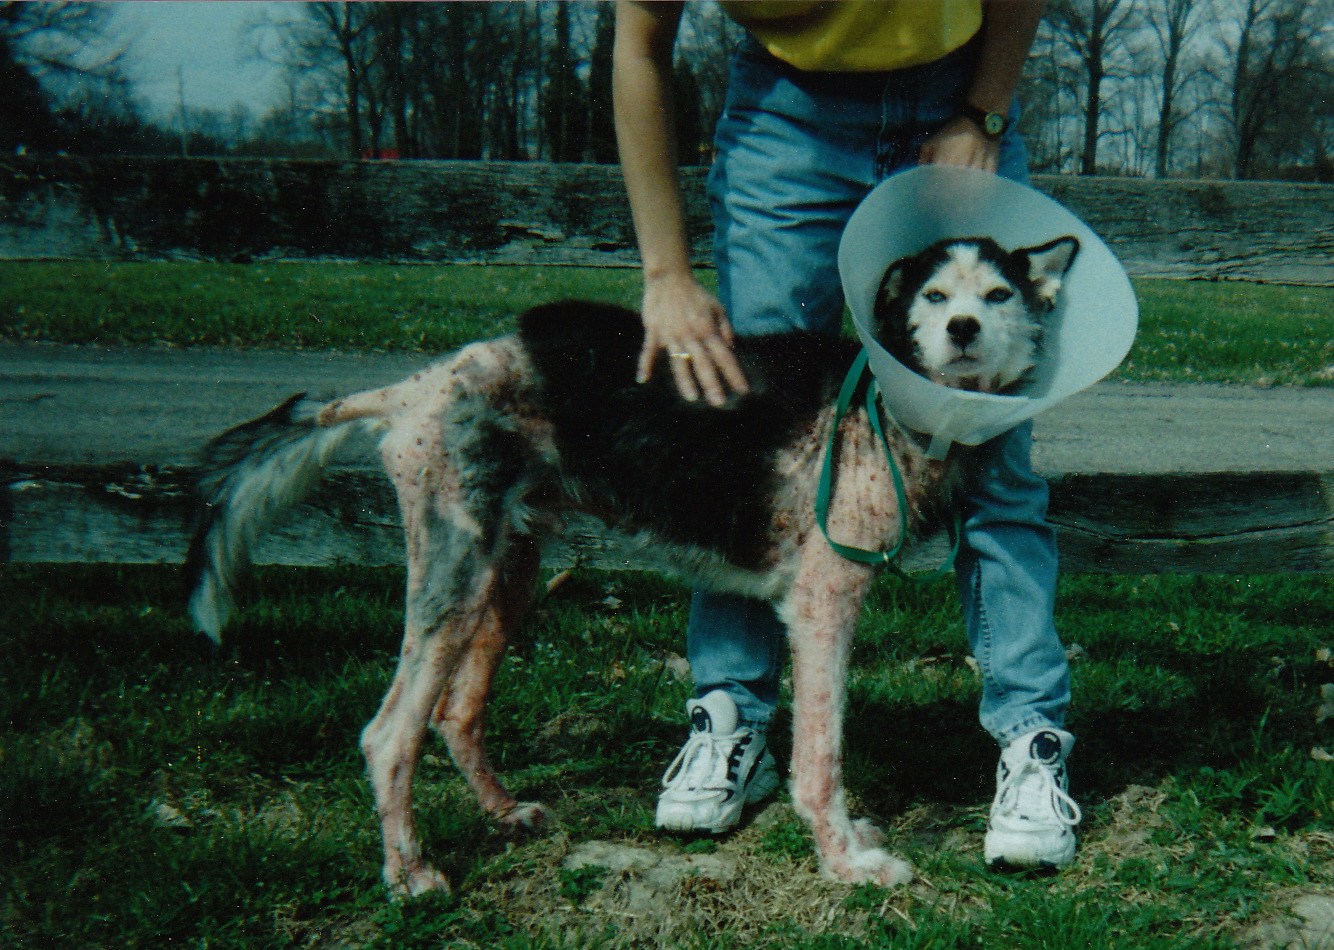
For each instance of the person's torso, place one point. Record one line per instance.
(858, 35)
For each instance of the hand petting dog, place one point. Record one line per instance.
(686, 322)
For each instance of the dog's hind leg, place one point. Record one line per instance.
(821, 612)
(453, 612)
(459, 714)
(469, 562)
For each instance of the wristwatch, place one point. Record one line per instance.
(992, 124)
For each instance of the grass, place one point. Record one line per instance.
(300, 306)
(1190, 331)
(150, 798)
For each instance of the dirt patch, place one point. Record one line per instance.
(641, 878)
(1134, 818)
(1305, 923)
(657, 893)
(663, 892)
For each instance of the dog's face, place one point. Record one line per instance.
(968, 314)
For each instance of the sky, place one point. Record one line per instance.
(206, 41)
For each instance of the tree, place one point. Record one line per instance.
(344, 26)
(57, 58)
(708, 38)
(26, 120)
(1281, 76)
(1094, 31)
(601, 127)
(388, 87)
(437, 80)
(563, 92)
(1114, 86)
(325, 51)
(452, 103)
(1173, 22)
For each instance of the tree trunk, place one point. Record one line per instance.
(353, 111)
(1092, 111)
(1165, 120)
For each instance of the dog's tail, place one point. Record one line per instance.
(249, 476)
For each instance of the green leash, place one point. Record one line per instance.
(825, 489)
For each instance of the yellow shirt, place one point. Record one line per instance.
(858, 35)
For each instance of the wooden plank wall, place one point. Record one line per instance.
(254, 209)
(1232, 523)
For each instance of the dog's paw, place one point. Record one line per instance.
(870, 866)
(524, 818)
(407, 884)
(883, 868)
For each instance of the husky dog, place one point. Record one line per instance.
(488, 448)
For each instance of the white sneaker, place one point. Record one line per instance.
(1033, 816)
(720, 770)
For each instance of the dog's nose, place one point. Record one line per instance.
(963, 330)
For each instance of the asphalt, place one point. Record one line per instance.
(77, 404)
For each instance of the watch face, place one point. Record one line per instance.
(995, 123)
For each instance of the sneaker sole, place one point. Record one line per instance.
(1041, 869)
(1005, 856)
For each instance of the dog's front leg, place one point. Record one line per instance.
(821, 613)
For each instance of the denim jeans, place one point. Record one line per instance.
(796, 153)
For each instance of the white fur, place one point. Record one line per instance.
(249, 498)
(1005, 347)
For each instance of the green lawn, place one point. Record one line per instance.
(149, 799)
(1190, 331)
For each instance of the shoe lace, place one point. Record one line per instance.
(703, 756)
(1036, 782)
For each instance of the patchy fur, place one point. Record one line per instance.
(490, 447)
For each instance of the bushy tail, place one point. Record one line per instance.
(250, 475)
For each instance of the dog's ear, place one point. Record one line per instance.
(891, 285)
(891, 315)
(1047, 265)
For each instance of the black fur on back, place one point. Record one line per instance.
(701, 475)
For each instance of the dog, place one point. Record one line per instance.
(488, 448)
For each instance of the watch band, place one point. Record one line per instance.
(992, 124)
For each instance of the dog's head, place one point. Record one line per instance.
(968, 314)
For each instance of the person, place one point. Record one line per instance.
(824, 101)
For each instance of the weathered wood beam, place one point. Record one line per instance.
(534, 213)
(1196, 523)
(1232, 523)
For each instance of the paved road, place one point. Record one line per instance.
(61, 404)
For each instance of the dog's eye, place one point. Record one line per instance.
(935, 296)
(999, 295)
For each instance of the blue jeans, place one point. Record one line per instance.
(796, 153)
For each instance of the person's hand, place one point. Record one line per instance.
(689, 323)
(963, 144)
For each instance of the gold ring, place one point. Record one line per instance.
(681, 356)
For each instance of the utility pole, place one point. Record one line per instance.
(180, 95)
